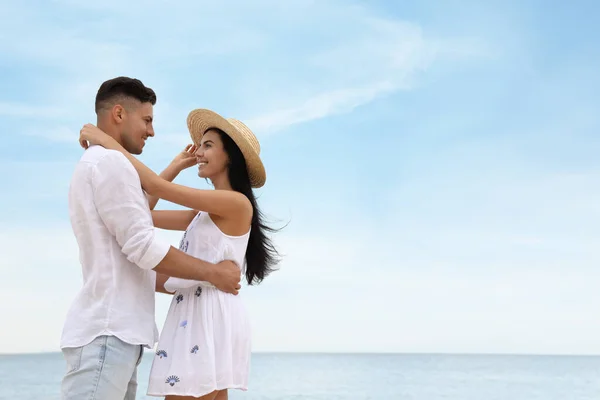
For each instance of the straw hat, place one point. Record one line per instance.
(201, 120)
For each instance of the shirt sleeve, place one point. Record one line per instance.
(124, 210)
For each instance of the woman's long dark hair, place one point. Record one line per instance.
(261, 255)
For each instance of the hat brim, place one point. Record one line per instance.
(201, 120)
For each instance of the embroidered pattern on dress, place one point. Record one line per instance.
(183, 243)
(172, 380)
(161, 353)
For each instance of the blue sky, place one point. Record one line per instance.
(437, 162)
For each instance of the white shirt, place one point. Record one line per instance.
(113, 226)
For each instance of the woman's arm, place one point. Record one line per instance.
(169, 174)
(183, 160)
(224, 203)
(173, 220)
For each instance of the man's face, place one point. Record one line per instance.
(136, 126)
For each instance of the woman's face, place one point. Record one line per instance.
(211, 156)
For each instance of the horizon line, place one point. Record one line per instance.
(399, 353)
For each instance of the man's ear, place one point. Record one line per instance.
(118, 113)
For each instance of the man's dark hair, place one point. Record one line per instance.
(121, 88)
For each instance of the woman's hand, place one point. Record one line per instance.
(91, 134)
(185, 159)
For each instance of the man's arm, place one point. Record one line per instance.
(120, 202)
(224, 275)
(160, 283)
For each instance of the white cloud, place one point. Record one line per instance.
(274, 83)
(33, 183)
(361, 290)
(40, 266)
(320, 106)
(378, 57)
(360, 306)
(28, 111)
(62, 134)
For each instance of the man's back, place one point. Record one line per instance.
(117, 251)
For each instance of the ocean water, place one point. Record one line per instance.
(358, 376)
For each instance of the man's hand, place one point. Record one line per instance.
(185, 159)
(226, 277)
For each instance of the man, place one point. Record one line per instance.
(112, 317)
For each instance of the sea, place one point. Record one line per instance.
(358, 376)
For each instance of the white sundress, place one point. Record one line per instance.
(205, 343)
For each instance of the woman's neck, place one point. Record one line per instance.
(221, 183)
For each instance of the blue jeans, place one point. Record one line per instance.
(105, 369)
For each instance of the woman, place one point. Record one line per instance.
(204, 348)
